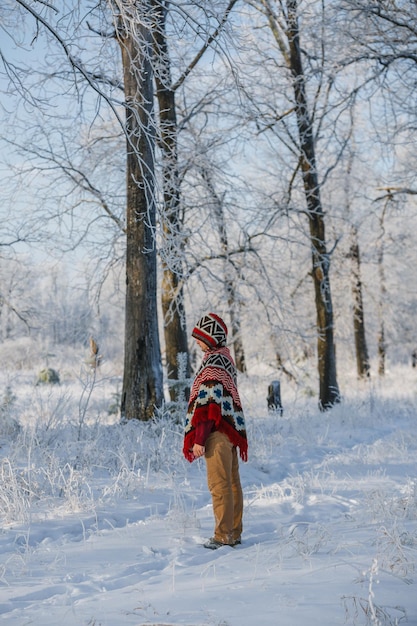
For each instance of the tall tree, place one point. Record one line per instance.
(285, 30)
(382, 344)
(172, 210)
(363, 365)
(142, 380)
(142, 383)
(172, 291)
(329, 390)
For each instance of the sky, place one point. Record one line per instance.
(103, 524)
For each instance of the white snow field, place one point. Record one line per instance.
(102, 524)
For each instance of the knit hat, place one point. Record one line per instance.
(212, 330)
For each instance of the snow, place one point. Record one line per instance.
(103, 524)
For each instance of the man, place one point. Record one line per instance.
(215, 428)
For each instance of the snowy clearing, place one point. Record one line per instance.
(102, 523)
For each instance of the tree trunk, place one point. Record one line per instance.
(381, 306)
(362, 358)
(172, 297)
(382, 291)
(232, 300)
(238, 349)
(329, 390)
(142, 380)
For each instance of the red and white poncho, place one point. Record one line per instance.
(214, 396)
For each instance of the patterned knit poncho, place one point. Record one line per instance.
(214, 396)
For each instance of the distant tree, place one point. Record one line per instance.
(231, 268)
(16, 310)
(382, 287)
(361, 348)
(363, 365)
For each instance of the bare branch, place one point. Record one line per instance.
(205, 47)
(74, 62)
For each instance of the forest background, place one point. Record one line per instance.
(254, 158)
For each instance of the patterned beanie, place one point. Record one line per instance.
(212, 330)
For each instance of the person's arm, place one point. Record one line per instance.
(202, 431)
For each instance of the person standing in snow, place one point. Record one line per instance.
(215, 428)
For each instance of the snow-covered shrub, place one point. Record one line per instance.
(48, 376)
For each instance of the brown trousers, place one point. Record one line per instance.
(224, 485)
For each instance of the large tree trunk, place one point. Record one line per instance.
(329, 390)
(172, 296)
(362, 358)
(142, 380)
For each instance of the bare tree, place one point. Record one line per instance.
(142, 381)
(383, 36)
(363, 366)
(172, 211)
(361, 348)
(15, 310)
(283, 23)
(231, 268)
(142, 385)
(172, 295)
(177, 205)
(382, 345)
(141, 33)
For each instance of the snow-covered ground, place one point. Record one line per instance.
(103, 524)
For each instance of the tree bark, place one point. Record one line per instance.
(382, 350)
(361, 348)
(329, 390)
(238, 348)
(142, 380)
(172, 296)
